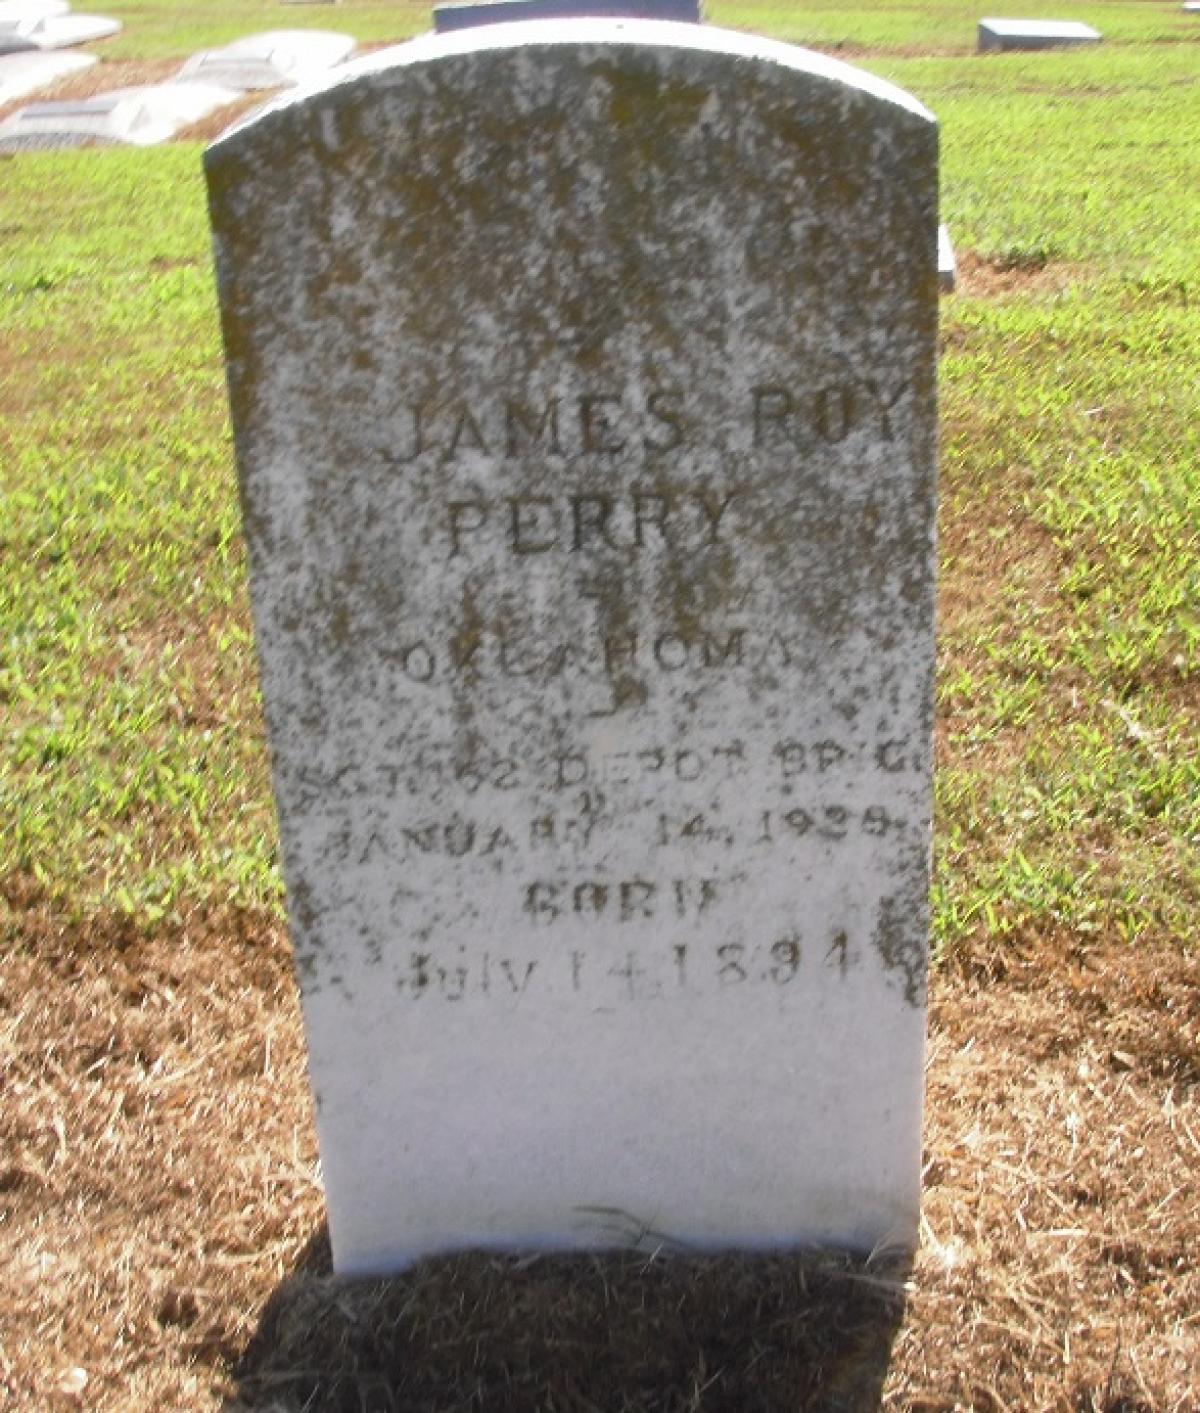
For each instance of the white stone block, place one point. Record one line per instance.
(947, 272)
(32, 70)
(274, 59)
(54, 32)
(123, 117)
(13, 10)
(1034, 34)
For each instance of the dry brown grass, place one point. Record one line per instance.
(161, 1223)
(996, 278)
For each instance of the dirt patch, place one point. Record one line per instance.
(117, 73)
(1062, 1143)
(210, 128)
(852, 51)
(993, 278)
(161, 1247)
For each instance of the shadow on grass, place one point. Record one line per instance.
(578, 1334)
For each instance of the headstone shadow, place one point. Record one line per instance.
(625, 1331)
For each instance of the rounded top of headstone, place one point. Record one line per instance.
(582, 34)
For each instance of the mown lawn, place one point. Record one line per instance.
(133, 774)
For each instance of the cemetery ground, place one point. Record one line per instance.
(160, 1206)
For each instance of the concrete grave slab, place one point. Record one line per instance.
(33, 70)
(54, 32)
(172, 106)
(1034, 34)
(460, 15)
(582, 379)
(125, 117)
(273, 59)
(12, 10)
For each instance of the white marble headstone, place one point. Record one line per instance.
(582, 379)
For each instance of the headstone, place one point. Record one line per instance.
(32, 70)
(1034, 34)
(945, 258)
(275, 59)
(137, 117)
(486, 12)
(54, 32)
(582, 379)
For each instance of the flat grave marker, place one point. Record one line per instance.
(1003, 35)
(274, 59)
(12, 10)
(32, 70)
(582, 379)
(123, 117)
(53, 31)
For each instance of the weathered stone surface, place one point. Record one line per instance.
(52, 31)
(582, 379)
(461, 15)
(1034, 34)
(32, 70)
(133, 117)
(274, 59)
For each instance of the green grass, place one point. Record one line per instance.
(1070, 789)
(158, 29)
(1071, 156)
(132, 769)
(131, 772)
(910, 26)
